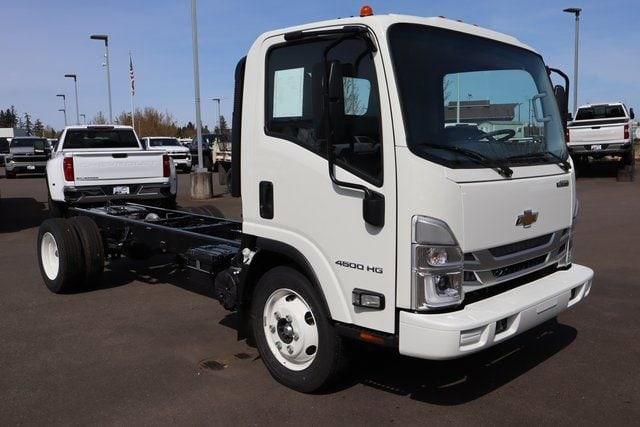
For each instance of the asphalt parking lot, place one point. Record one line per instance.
(150, 346)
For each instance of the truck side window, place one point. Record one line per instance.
(290, 112)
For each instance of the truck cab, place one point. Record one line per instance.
(415, 170)
(179, 153)
(404, 181)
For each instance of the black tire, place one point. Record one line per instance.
(330, 355)
(71, 270)
(92, 248)
(56, 209)
(629, 158)
(9, 175)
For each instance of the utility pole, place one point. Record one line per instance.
(75, 81)
(196, 80)
(576, 11)
(64, 107)
(105, 38)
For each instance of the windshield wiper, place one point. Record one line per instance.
(562, 163)
(479, 158)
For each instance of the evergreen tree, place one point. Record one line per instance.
(38, 128)
(28, 125)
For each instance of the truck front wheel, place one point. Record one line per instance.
(293, 333)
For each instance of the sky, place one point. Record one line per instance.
(41, 40)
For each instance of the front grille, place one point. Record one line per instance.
(511, 248)
(514, 268)
(29, 159)
(178, 156)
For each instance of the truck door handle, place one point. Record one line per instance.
(266, 199)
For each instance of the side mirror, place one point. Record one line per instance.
(373, 208)
(632, 115)
(563, 102)
(569, 117)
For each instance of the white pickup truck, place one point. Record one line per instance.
(179, 153)
(97, 164)
(602, 130)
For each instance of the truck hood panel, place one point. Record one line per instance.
(491, 210)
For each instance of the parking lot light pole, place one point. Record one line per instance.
(64, 107)
(196, 80)
(105, 38)
(75, 81)
(576, 11)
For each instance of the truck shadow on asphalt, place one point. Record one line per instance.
(459, 381)
(446, 383)
(20, 213)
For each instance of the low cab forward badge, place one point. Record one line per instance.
(526, 219)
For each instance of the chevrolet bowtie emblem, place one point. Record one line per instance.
(526, 219)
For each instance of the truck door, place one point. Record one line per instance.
(288, 195)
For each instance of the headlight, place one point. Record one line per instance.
(436, 265)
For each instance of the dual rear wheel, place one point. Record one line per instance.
(70, 253)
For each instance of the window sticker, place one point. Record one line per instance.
(288, 92)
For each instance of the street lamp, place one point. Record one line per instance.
(64, 107)
(218, 101)
(196, 80)
(105, 38)
(84, 118)
(576, 11)
(75, 80)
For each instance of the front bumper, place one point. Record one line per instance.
(456, 334)
(182, 163)
(607, 149)
(104, 193)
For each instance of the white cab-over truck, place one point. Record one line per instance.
(96, 164)
(600, 130)
(365, 214)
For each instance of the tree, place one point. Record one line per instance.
(222, 129)
(28, 125)
(38, 128)
(150, 122)
(99, 119)
(9, 118)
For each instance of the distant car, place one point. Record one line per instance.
(27, 154)
(4, 149)
(179, 153)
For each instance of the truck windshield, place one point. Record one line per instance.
(100, 139)
(468, 92)
(605, 111)
(163, 142)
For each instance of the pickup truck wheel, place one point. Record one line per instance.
(92, 247)
(9, 175)
(59, 250)
(56, 209)
(169, 202)
(629, 158)
(293, 333)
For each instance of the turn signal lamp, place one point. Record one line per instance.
(366, 10)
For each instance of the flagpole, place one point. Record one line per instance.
(132, 80)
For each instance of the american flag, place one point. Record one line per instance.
(132, 77)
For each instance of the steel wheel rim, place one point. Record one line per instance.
(290, 329)
(49, 255)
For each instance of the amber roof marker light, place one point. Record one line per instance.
(366, 10)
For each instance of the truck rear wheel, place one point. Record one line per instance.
(56, 209)
(59, 251)
(92, 247)
(293, 333)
